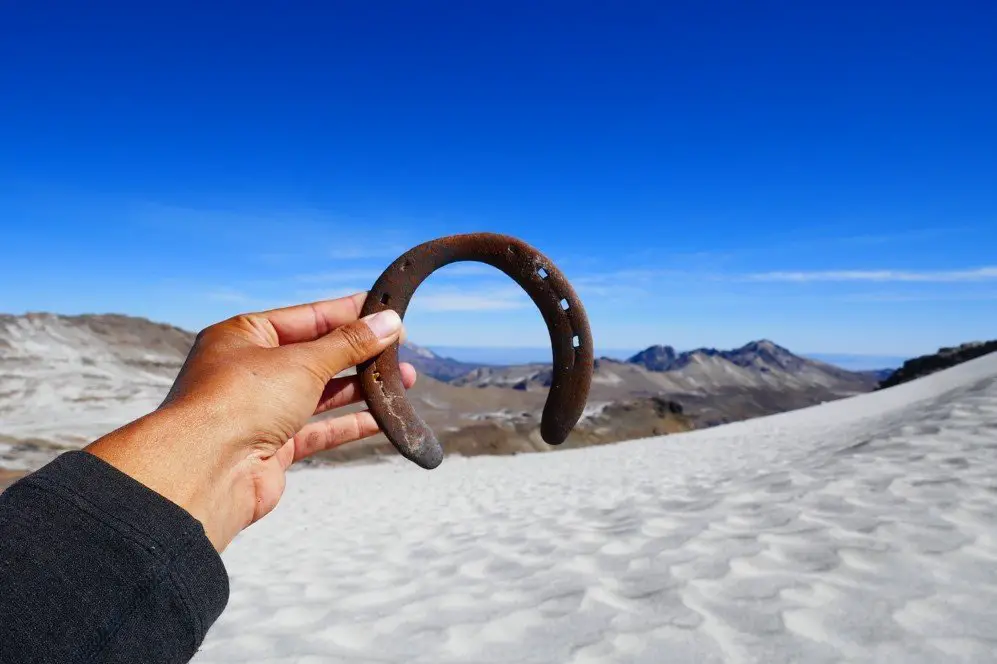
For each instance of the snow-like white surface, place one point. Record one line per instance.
(64, 385)
(860, 530)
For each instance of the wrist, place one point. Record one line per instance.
(180, 453)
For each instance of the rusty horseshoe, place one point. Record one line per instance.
(570, 337)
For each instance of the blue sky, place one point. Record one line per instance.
(821, 174)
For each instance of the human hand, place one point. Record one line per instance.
(237, 415)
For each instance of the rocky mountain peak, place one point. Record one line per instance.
(412, 349)
(765, 345)
(765, 352)
(656, 358)
(760, 356)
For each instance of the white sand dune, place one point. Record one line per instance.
(859, 530)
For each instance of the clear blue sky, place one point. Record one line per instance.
(822, 174)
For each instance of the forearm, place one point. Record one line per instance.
(111, 554)
(96, 567)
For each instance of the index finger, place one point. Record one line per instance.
(307, 322)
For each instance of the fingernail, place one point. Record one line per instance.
(384, 323)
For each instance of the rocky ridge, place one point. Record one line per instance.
(943, 359)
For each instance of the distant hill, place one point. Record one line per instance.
(763, 356)
(66, 380)
(430, 364)
(756, 365)
(510, 355)
(714, 386)
(943, 359)
(860, 362)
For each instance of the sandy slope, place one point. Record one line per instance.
(860, 530)
(66, 380)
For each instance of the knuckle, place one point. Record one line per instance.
(256, 327)
(240, 321)
(348, 429)
(356, 343)
(201, 337)
(357, 428)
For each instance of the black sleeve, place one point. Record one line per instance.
(96, 567)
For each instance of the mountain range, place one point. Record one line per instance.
(66, 380)
(756, 365)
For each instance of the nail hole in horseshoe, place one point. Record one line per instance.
(542, 272)
(385, 298)
(406, 265)
(576, 342)
(377, 376)
(565, 304)
(512, 249)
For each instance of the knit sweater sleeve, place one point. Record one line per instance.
(96, 567)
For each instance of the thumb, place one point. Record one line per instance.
(350, 344)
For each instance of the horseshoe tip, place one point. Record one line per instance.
(555, 432)
(430, 464)
(428, 456)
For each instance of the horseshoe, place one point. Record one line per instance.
(570, 337)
